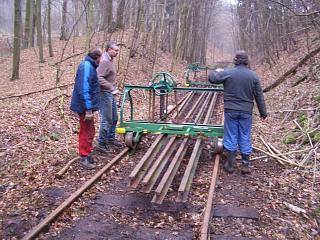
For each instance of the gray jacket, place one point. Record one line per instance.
(241, 88)
(106, 73)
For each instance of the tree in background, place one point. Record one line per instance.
(63, 33)
(120, 14)
(27, 24)
(274, 26)
(39, 31)
(49, 29)
(17, 39)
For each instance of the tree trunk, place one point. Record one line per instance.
(63, 33)
(159, 36)
(107, 15)
(89, 24)
(27, 24)
(110, 13)
(33, 16)
(76, 17)
(39, 31)
(49, 29)
(17, 39)
(120, 11)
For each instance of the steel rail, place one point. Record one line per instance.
(147, 160)
(207, 213)
(139, 171)
(35, 231)
(154, 172)
(168, 177)
(189, 173)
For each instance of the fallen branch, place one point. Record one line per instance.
(279, 159)
(292, 70)
(266, 145)
(294, 208)
(295, 110)
(65, 168)
(34, 232)
(38, 91)
(269, 149)
(288, 153)
(277, 151)
(300, 80)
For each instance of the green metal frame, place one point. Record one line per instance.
(187, 129)
(143, 127)
(196, 67)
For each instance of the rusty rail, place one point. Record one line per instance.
(34, 232)
(187, 178)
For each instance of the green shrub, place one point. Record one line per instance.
(289, 139)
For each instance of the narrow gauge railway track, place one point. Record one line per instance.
(168, 153)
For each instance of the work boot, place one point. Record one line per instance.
(245, 168)
(115, 142)
(90, 159)
(85, 162)
(102, 149)
(228, 165)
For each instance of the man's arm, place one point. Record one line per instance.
(218, 77)
(258, 95)
(84, 91)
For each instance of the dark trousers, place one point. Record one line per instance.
(86, 136)
(108, 117)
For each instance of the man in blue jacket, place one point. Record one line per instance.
(85, 100)
(241, 88)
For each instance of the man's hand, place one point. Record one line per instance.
(116, 92)
(88, 115)
(219, 69)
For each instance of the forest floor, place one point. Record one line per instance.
(38, 136)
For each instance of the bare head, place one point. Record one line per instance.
(95, 53)
(241, 57)
(112, 49)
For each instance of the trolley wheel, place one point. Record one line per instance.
(129, 140)
(217, 145)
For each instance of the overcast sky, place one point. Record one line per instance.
(230, 1)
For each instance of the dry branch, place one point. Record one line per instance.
(292, 70)
(38, 91)
(294, 208)
(65, 168)
(279, 159)
(295, 13)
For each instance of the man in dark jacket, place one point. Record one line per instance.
(85, 100)
(241, 88)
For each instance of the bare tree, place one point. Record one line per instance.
(275, 26)
(49, 29)
(17, 39)
(63, 33)
(120, 12)
(39, 31)
(27, 23)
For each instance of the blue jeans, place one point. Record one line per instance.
(108, 117)
(237, 132)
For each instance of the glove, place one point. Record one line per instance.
(219, 69)
(88, 115)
